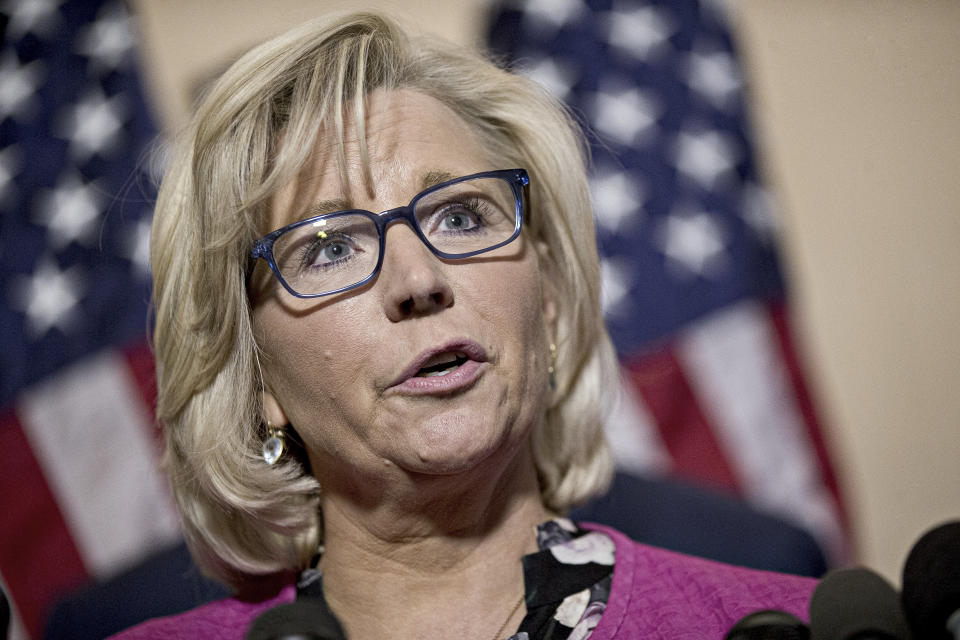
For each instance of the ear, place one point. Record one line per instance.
(272, 411)
(548, 287)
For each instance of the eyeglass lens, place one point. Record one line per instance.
(342, 249)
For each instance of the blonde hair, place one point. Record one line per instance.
(242, 517)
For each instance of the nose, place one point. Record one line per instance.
(414, 281)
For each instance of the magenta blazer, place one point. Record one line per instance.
(655, 594)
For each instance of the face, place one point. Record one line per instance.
(351, 373)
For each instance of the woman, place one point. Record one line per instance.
(400, 403)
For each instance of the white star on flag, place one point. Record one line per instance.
(71, 211)
(49, 298)
(715, 76)
(616, 278)
(9, 168)
(617, 196)
(18, 84)
(642, 32)
(550, 15)
(707, 157)
(93, 125)
(624, 116)
(108, 41)
(138, 246)
(759, 211)
(39, 17)
(555, 77)
(693, 243)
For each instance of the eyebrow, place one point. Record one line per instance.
(325, 206)
(433, 178)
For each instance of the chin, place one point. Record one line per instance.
(458, 443)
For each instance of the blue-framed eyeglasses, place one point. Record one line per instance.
(335, 252)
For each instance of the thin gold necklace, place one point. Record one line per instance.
(497, 635)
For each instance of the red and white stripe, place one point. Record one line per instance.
(722, 405)
(84, 496)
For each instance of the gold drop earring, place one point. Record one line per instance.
(274, 445)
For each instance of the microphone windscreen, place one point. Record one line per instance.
(298, 620)
(856, 603)
(931, 581)
(768, 624)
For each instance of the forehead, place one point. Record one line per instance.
(412, 141)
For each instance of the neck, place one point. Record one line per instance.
(438, 557)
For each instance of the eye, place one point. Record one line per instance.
(333, 251)
(328, 250)
(456, 218)
(460, 220)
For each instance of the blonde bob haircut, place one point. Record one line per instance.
(243, 518)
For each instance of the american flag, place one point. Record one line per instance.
(81, 493)
(694, 296)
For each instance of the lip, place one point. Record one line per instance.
(464, 375)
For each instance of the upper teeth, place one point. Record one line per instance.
(442, 363)
(443, 357)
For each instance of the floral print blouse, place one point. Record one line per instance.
(567, 583)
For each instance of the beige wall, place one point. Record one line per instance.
(187, 40)
(858, 103)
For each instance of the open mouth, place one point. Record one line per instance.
(448, 368)
(442, 364)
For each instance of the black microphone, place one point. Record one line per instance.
(856, 604)
(305, 619)
(768, 624)
(931, 584)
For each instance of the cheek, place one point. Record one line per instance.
(520, 295)
(311, 363)
(513, 303)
